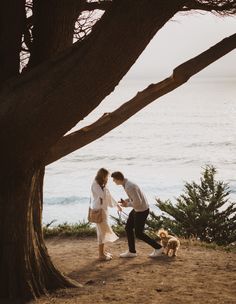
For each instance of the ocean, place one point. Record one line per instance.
(164, 145)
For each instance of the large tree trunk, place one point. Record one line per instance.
(26, 268)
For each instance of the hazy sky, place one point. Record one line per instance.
(182, 38)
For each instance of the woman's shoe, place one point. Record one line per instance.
(105, 258)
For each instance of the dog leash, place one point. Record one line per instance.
(122, 217)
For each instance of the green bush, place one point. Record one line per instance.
(82, 229)
(203, 211)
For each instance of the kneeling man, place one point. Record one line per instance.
(137, 217)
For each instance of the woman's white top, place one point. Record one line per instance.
(104, 194)
(105, 233)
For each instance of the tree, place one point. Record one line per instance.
(203, 211)
(48, 84)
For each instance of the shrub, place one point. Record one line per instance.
(203, 211)
(82, 229)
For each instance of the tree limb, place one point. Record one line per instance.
(222, 7)
(109, 121)
(99, 5)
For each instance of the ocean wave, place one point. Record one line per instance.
(210, 144)
(137, 157)
(69, 200)
(90, 158)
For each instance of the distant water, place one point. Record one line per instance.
(159, 148)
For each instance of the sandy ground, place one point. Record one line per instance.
(197, 275)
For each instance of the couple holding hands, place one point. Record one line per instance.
(136, 219)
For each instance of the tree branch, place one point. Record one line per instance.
(99, 5)
(109, 121)
(222, 7)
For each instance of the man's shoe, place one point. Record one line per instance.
(156, 253)
(128, 254)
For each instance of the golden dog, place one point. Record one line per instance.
(169, 242)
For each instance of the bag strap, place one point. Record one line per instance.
(101, 200)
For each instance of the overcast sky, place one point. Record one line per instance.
(182, 38)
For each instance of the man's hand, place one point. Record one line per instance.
(123, 203)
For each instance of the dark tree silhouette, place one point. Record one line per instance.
(47, 85)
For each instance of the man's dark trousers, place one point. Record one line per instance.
(135, 227)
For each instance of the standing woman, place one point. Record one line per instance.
(103, 199)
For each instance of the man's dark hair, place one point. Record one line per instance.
(118, 175)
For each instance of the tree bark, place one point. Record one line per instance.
(54, 22)
(26, 268)
(12, 16)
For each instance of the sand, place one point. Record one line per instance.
(197, 275)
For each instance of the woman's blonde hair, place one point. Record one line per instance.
(100, 177)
